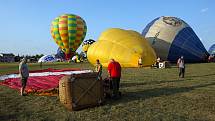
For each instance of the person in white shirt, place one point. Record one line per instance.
(140, 62)
(181, 66)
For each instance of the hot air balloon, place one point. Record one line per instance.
(86, 44)
(171, 38)
(125, 46)
(212, 50)
(47, 58)
(68, 31)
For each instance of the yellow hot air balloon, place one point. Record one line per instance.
(125, 46)
(68, 31)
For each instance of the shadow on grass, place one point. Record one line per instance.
(201, 75)
(157, 92)
(149, 82)
(9, 117)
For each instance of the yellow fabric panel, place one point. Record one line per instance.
(125, 46)
(72, 28)
(78, 38)
(85, 47)
(63, 31)
(80, 32)
(55, 29)
(72, 22)
(57, 35)
(63, 25)
(71, 34)
(67, 51)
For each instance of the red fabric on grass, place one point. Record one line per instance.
(37, 84)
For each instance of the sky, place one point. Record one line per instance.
(25, 24)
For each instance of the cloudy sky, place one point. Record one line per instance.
(25, 24)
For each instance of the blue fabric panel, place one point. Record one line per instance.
(146, 29)
(188, 44)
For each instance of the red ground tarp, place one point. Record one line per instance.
(41, 85)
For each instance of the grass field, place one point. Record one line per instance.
(147, 95)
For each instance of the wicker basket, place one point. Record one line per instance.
(80, 91)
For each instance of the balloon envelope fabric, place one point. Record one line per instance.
(68, 31)
(41, 82)
(171, 38)
(60, 54)
(47, 58)
(125, 46)
(212, 50)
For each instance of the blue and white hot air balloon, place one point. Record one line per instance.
(212, 50)
(47, 58)
(171, 38)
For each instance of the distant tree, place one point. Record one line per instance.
(17, 58)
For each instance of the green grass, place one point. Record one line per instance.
(148, 95)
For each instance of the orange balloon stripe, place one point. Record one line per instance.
(63, 28)
(53, 37)
(79, 35)
(66, 46)
(63, 22)
(65, 43)
(64, 16)
(64, 35)
(78, 17)
(57, 42)
(79, 29)
(77, 41)
(79, 22)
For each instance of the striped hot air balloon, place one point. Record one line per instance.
(171, 38)
(68, 31)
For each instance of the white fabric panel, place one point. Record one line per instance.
(167, 33)
(3, 77)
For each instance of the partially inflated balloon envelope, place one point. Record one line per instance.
(68, 31)
(60, 54)
(47, 58)
(212, 50)
(125, 46)
(171, 38)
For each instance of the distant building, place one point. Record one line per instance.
(7, 57)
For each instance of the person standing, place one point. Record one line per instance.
(140, 62)
(181, 66)
(98, 69)
(24, 74)
(114, 70)
(41, 64)
(158, 61)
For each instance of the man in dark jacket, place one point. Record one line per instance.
(114, 70)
